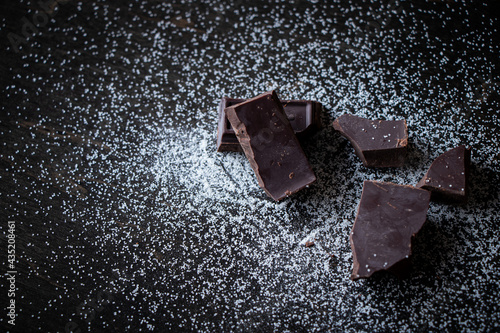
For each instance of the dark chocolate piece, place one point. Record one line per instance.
(389, 215)
(304, 116)
(447, 178)
(378, 143)
(269, 143)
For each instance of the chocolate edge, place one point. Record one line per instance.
(232, 116)
(444, 195)
(225, 138)
(401, 147)
(403, 267)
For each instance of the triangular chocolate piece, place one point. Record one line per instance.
(388, 217)
(378, 143)
(448, 175)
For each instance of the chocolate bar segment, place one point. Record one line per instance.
(304, 116)
(269, 143)
(378, 143)
(447, 177)
(388, 217)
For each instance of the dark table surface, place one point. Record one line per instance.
(127, 219)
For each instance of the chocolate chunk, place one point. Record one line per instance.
(389, 215)
(304, 116)
(378, 143)
(447, 177)
(269, 143)
(309, 244)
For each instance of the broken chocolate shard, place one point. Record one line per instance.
(447, 177)
(270, 145)
(304, 116)
(378, 143)
(389, 216)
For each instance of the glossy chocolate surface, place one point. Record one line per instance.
(447, 177)
(304, 116)
(388, 217)
(378, 143)
(268, 141)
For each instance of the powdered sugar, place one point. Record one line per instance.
(184, 236)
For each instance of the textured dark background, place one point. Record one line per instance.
(128, 220)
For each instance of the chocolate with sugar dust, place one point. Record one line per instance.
(270, 145)
(378, 143)
(448, 176)
(389, 215)
(304, 116)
